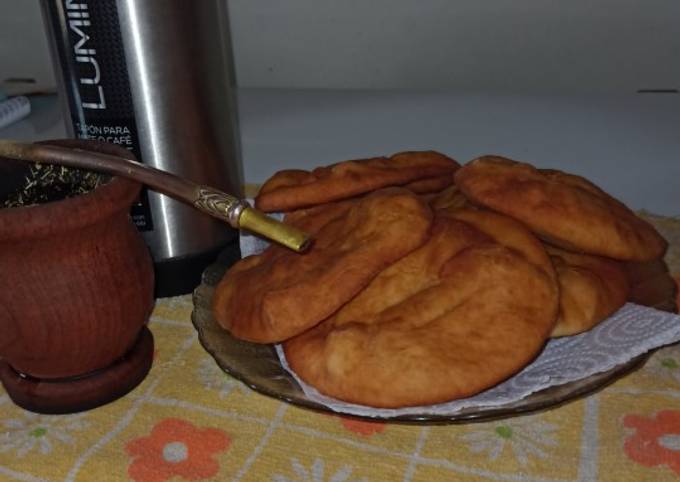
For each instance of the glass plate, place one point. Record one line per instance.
(258, 366)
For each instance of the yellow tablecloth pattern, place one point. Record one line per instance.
(190, 421)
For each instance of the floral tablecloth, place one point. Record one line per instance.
(190, 421)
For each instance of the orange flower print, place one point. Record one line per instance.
(361, 427)
(656, 440)
(176, 448)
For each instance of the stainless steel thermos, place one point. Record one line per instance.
(156, 76)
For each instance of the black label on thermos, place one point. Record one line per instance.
(92, 59)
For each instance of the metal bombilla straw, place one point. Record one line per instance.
(238, 213)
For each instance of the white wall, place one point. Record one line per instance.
(620, 45)
(23, 46)
(610, 45)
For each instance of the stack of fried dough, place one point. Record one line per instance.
(428, 281)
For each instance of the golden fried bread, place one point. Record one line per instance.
(430, 184)
(288, 190)
(591, 289)
(509, 233)
(279, 293)
(454, 317)
(449, 198)
(565, 210)
(651, 284)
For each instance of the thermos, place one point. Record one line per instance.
(157, 77)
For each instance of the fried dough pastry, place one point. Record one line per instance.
(651, 284)
(277, 294)
(292, 189)
(566, 210)
(430, 184)
(449, 198)
(454, 317)
(591, 289)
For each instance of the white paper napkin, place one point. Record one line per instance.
(631, 331)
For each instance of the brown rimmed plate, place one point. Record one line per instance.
(258, 366)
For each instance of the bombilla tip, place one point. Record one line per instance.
(284, 234)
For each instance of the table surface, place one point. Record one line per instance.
(190, 421)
